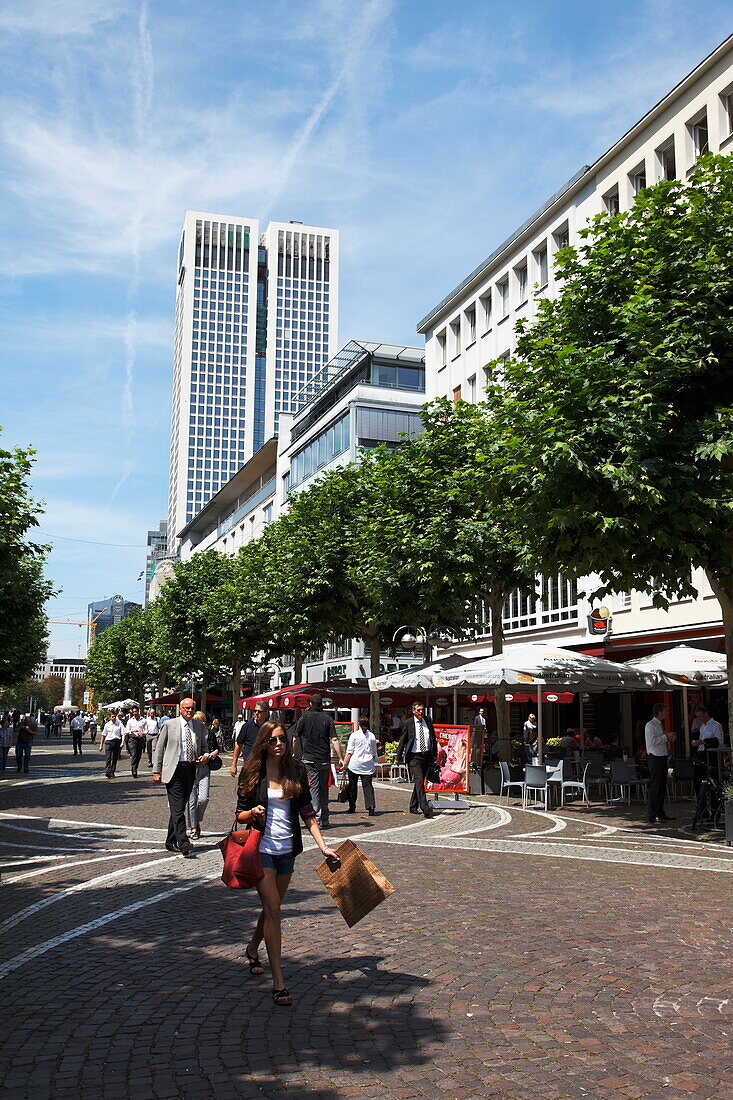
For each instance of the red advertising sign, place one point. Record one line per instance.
(454, 744)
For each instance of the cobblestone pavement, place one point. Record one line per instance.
(524, 954)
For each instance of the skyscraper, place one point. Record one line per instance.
(256, 317)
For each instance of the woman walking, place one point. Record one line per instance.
(23, 740)
(199, 800)
(273, 796)
(360, 763)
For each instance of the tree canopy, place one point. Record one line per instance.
(23, 586)
(127, 657)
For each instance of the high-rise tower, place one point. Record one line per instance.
(256, 318)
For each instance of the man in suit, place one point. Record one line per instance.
(418, 748)
(181, 746)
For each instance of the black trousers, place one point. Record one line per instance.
(76, 736)
(657, 784)
(367, 785)
(179, 791)
(137, 745)
(417, 766)
(113, 754)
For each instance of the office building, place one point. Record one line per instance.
(59, 666)
(105, 613)
(157, 550)
(475, 325)
(256, 317)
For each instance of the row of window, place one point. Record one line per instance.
(513, 288)
(320, 451)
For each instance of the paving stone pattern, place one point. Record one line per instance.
(501, 967)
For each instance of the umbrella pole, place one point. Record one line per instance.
(539, 724)
(455, 706)
(686, 714)
(581, 719)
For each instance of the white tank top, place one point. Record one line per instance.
(277, 839)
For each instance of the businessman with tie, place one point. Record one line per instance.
(181, 746)
(418, 747)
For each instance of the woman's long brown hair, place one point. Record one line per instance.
(256, 764)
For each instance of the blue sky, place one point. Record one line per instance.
(424, 131)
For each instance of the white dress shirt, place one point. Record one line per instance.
(363, 748)
(421, 740)
(112, 731)
(711, 728)
(656, 738)
(183, 759)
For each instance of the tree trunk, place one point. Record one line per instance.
(202, 708)
(298, 670)
(375, 652)
(725, 599)
(496, 606)
(236, 688)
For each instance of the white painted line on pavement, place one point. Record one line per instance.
(37, 906)
(78, 863)
(64, 836)
(558, 824)
(107, 919)
(93, 824)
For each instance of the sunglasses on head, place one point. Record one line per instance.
(278, 737)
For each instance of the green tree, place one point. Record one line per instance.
(126, 657)
(192, 645)
(618, 407)
(23, 588)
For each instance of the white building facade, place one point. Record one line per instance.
(256, 316)
(475, 325)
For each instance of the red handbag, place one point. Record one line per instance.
(242, 864)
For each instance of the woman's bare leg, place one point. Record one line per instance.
(271, 890)
(282, 881)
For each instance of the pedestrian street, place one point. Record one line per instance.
(524, 953)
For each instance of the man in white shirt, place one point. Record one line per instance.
(181, 746)
(151, 727)
(656, 738)
(77, 732)
(136, 735)
(111, 743)
(709, 730)
(360, 762)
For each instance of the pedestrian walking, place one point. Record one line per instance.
(92, 727)
(77, 732)
(24, 735)
(274, 796)
(316, 733)
(246, 735)
(151, 733)
(656, 738)
(136, 731)
(6, 740)
(360, 763)
(58, 720)
(418, 748)
(111, 743)
(199, 799)
(181, 746)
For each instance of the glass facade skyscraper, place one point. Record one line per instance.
(256, 318)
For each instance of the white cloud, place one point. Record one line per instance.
(58, 17)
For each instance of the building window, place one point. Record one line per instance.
(541, 267)
(637, 179)
(667, 162)
(470, 325)
(611, 202)
(561, 237)
(727, 101)
(521, 274)
(699, 132)
(503, 290)
(442, 349)
(485, 304)
(472, 389)
(456, 394)
(455, 331)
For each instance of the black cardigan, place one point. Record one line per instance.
(300, 805)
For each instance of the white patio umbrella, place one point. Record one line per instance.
(408, 679)
(684, 666)
(540, 666)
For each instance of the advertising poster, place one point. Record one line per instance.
(454, 746)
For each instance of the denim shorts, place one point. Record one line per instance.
(283, 864)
